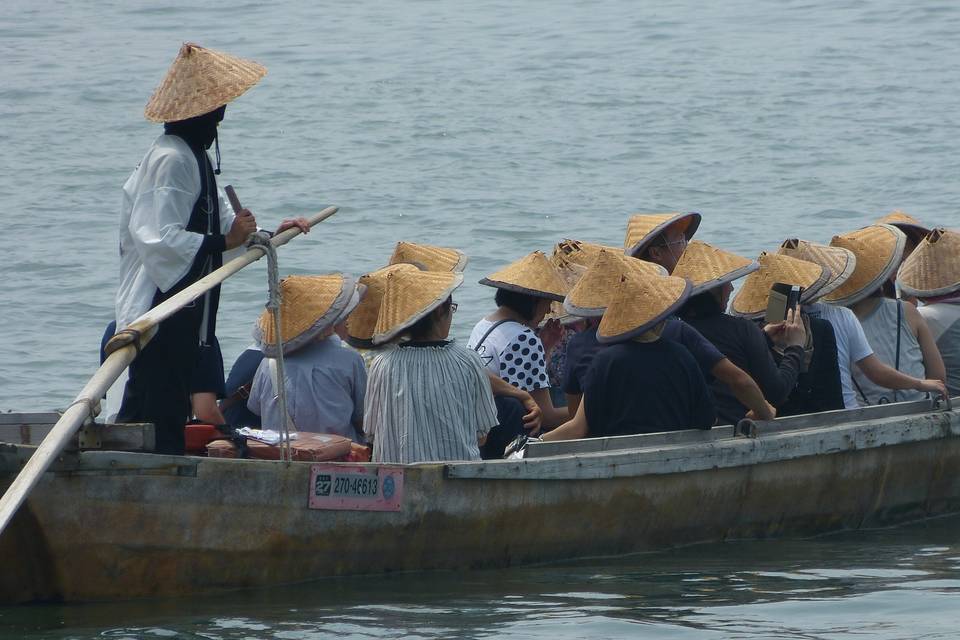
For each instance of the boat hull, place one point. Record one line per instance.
(105, 526)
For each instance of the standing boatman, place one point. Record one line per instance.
(174, 227)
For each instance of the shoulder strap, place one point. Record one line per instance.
(496, 324)
(899, 323)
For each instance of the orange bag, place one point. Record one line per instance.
(308, 447)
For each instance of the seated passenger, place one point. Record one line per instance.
(896, 332)
(640, 383)
(660, 238)
(363, 320)
(238, 385)
(324, 382)
(818, 385)
(507, 340)
(932, 274)
(915, 233)
(428, 399)
(711, 271)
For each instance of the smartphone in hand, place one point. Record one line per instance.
(783, 297)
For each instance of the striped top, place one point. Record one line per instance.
(428, 402)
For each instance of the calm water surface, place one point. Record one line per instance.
(498, 128)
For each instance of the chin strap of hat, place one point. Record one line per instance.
(261, 240)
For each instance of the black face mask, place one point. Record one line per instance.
(199, 132)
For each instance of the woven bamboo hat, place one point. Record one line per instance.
(363, 320)
(428, 257)
(644, 228)
(199, 81)
(571, 272)
(879, 250)
(839, 262)
(640, 303)
(751, 300)
(577, 252)
(933, 269)
(533, 275)
(591, 296)
(914, 229)
(706, 266)
(409, 296)
(309, 305)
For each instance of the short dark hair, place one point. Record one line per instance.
(424, 326)
(523, 304)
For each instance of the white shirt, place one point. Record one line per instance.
(513, 352)
(156, 250)
(943, 318)
(852, 345)
(428, 403)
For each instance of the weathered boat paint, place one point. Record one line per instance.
(110, 525)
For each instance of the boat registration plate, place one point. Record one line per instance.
(355, 488)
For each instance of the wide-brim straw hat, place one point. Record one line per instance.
(914, 229)
(640, 304)
(409, 296)
(309, 306)
(571, 272)
(533, 275)
(577, 252)
(428, 257)
(199, 81)
(707, 267)
(840, 262)
(879, 250)
(644, 228)
(363, 320)
(592, 294)
(933, 269)
(751, 299)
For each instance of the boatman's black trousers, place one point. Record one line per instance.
(158, 389)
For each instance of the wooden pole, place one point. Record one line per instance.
(122, 350)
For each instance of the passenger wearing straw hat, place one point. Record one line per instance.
(712, 271)
(896, 332)
(640, 383)
(818, 385)
(507, 340)
(915, 232)
(660, 238)
(325, 383)
(589, 299)
(932, 274)
(428, 399)
(174, 227)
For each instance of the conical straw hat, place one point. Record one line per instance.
(199, 81)
(591, 296)
(706, 266)
(914, 229)
(640, 304)
(839, 262)
(409, 296)
(571, 273)
(309, 305)
(933, 269)
(644, 228)
(533, 275)
(879, 249)
(577, 252)
(363, 320)
(428, 257)
(751, 300)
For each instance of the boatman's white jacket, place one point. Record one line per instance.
(156, 250)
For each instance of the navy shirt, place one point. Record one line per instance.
(646, 387)
(242, 373)
(584, 346)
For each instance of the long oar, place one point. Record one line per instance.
(123, 348)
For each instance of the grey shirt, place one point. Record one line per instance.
(325, 383)
(943, 318)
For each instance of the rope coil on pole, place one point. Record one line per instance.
(261, 240)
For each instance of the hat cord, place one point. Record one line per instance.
(261, 240)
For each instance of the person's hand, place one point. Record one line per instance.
(935, 387)
(532, 420)
(289, 223)
(243, 225)
(790, 332)
(550, 334)
(768, 413)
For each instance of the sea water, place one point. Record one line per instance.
(497, 128)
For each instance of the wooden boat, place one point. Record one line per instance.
(110, 525)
